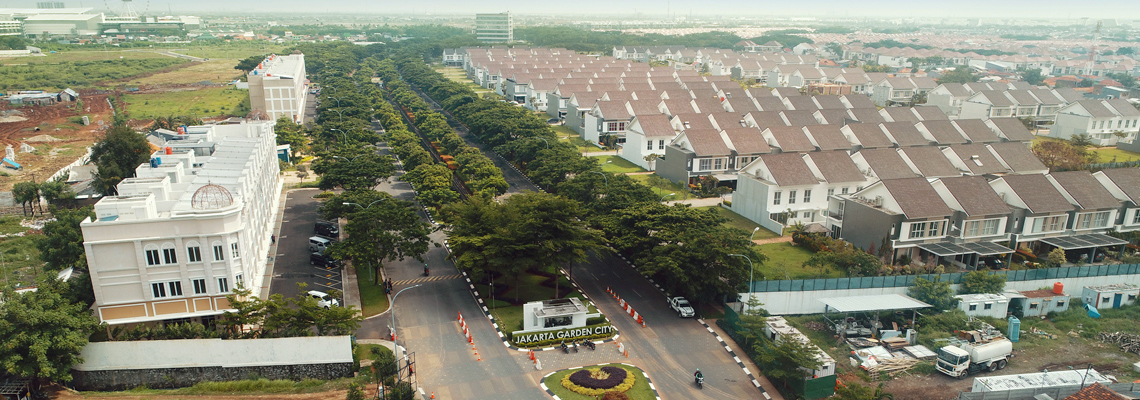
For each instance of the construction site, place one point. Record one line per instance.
(46, 138)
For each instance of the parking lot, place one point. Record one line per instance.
(292, 258)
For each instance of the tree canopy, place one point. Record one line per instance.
(960, 74)
(935, 293)
(116, 155)
(43, 332)
(982, 282)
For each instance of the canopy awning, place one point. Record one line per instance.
(880, 302)
(944, 249)
(987, 248)
(1083, 241)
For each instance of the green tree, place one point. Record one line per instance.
(387, 229)
(935, 293)
(786, 360)
(28, 194)
(856, 391)
(1086, 82)
(61, 244)
(982, 282)
(1125, 51)
(1059, 155)
(1032, 76)
(1055, 258)
(354, 392)
(43, 332)
(1081, 140)
(960, 74)
(356, 172)
(57, 193)
(249, 63)
(291, 134)
(116, 155)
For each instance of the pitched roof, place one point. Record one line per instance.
(916, 198)
(976, 130)
(643, 107)
(1096, 391)
(1038, 194)
(836, 167)
(726, 120)
(707, 142)
(655, 125)
(943, 132)
(1096, 108)
(930, 162)
(978, 159)
(747, 140)
(613, 110)
(799, 117)
(867, 115)
(1012, 129)
(789, 169)
(956, 89)
(766, 119)
(770, 103)
(975, 195)
(859, 101)
(791, 138)
(678, 106)
(870, 135)
(901, 114)
(1123, 107)
(834, 116)
(1085, 189)
(905, 134)
(1127, 179)
(801, 103)
(829, 102)
(828, 137)
(887, 163)
(1018, 157)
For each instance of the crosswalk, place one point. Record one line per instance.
(426, 279)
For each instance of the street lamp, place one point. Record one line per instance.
(754, 230)
(751, 271)
(337, 100)
(394, 323)
(603, 176)
(354, 159)
(544, 140)
(341, 132)
(363, 207)
(663, 197)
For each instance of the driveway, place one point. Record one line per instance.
(292, 258)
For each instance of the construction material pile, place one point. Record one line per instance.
(1128, 342)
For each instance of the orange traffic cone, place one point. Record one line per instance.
(433, 395)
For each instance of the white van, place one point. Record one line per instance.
(318, 244)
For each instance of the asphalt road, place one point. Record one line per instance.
(292, 259)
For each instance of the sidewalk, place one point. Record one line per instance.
(706, 202)
(768, 386)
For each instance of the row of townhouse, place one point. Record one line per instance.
(1105, 121)
(1001, 99)
(1049, 63)
(965, 220)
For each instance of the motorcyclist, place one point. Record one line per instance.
(698, 374)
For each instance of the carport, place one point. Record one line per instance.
(1090, 241)
(869, 304)
(976, 250)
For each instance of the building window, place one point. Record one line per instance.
(988, 306)
(152, 257)
(844, 191)
(169, 255)
(973, 307)
(711, 164)
(615, 126)
(1060, 304)
(830, 192)
(926, 229)
(239, 280)
(649, 145)
(158, 290)
(1092, 220)
(199, 286)
(223, 285)
(981, 228)
(917, 230)
(776, 198)
(1106, 299)
(194, 254)
(1032, 306)
(166, 289)
(1048, 224)
(234, 249)
(791, 197)
(807, 195)
(219, 253)
(660, 145)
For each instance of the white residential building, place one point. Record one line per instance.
(1100, 119)
(495, 28)
(278, 87)
(189, 228)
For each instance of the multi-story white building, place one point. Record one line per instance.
(495, 28)
(278, 87)
(191, 226)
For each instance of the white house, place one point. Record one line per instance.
(1100, 119)
(647, 134)
(984, 304)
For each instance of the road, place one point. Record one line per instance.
(291, 265)
(182, 56)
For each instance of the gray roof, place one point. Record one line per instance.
(707, 142)
(747, 140)
(905, 134)
(887, 163)
(930, 162)
(976, 130)
(799, 117)
(880, 302)
(930, 113)
(643, 107)
(828, 137)
(770, 103)
(859, 101)
(836, 167)
(655, 125)
(789, 169)
(917, 198)
(978, 159)
(1038, 194)
(791, 138)
(835, 116)
(613, 110)
(801, 103)
(1123, 107)
(956, 89)
(993, 97)
(694, 120)
(1096, 108)
(867, 115)
(828, 102)
(1085, 190)
(943, 132)
(975, 195)
(901, 114)
(870, 135)
(1012, 129)
(1127, 179)
(1018, 157)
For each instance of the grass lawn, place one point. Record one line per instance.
(207, 102)
(458, 75)
(21, 257)
(372, 297)
(639, 391)
(567, 134)
(510, 317)
(81, 55)
(786, 261)
(235, 50)
(739, 222)
(1104, 155)
(617, 165)
(663, 187)
(217, 71)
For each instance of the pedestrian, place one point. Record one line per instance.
(273, 239)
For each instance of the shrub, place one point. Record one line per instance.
(324, 195)
(596, 382)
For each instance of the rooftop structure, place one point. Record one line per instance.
(1037, 380)
(278, 87)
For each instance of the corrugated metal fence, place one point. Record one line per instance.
(870, 282)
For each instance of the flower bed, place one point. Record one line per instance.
(596, 382)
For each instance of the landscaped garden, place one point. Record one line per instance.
(607, 381)
(617, 165)
(506, 300)
(739, 222)
(663, 187)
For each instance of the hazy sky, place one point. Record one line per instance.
(1122, 10)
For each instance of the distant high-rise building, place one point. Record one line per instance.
(494, 27)
(49, 4)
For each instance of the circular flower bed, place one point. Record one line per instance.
(595, 382)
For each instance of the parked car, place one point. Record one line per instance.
(318, 244)
(323, 299)
(681, 306)
(323, 260)
(552, 121)
(327, 229)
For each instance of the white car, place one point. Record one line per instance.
(323, 299)
(681, 306)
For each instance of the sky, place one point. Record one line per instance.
(1122, 10)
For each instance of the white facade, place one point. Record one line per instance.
(278, 87)
(184, 233)
(495, 27)
(983, 305)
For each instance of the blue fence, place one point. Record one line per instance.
(870, 282)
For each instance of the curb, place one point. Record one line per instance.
(542, 383)
(507, 343)
(737, 359)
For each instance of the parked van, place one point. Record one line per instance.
(327, 229)
(318, 244)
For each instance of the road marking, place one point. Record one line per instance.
(635, 292)
(426, 279)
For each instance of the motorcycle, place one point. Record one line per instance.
(575, 346)
(700, 381)
(565, 349)
(591, 345)
(425, 270)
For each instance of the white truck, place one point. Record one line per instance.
(681, 306)
(971, 358)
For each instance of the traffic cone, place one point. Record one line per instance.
(433, 395)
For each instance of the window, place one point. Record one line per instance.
(152, 255)
(165, 289)
(844, 191)
(776, 198)
(791, 197)
(169, 256)
(234, 249)
(1092, 220)
(830, 192)
(807, 195)
(1032, 306)
(615, 126)
(973, 307)
(199, 286)
(1106, 299)
(988, 306)
(742, 161)
(661, 144)
(158, 290)
(649, 145)
(219, 254)
(1060, 303)
(981, 228)
(223, 285)
(926, 229)
(194, 254)
(1048, 224)
(711, 164)
(239, 280)
(1131, 297)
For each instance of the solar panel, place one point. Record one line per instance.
(987, 248)
(1084, 241)
(1102, 239)
(944, 249)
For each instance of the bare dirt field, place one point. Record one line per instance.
(69, 139)
(64, 394)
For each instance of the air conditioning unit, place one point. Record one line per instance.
(878, 201)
